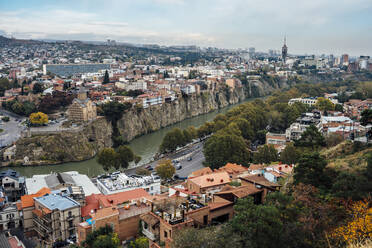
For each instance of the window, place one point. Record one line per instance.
(145, 225)
(165, 234)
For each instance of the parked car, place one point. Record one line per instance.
(189, 158)
(178, 166)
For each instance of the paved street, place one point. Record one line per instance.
(195, 152)
(12, 128)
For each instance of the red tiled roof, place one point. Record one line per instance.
(211, 180)
(201, 172)
(28, 200)
(95, 201)
(119, 198)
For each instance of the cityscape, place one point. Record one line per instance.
(115, 136)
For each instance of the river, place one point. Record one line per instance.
(145, 146)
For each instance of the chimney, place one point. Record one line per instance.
(221, 180)
(280, 168)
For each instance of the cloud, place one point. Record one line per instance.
(311, 26)
(63, 24)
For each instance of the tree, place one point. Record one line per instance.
(38, 88)
(106, 78)
(324, 104)
(187, 136)
(366, 117)
(113, 111)
(172, 140)
(140, 242)
(311, 138)
(310, 170)
(125, 156)
(289, 155)
(5, 84)
(245, 128)
(223, 148)
(103, 237)
(108, 158)
(258, 226)
(38, 118)
(358, 226)
(165, 169)
(210, 237)
(265, 154)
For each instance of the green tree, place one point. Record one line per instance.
(311, 170)
(103, 237)
(140, 242)
(125, 155)
(106, 78)
(245, 128)
(165, 169)
(172, 140)
(258, 226)
(265, 154)
(366, 117)
(193, 132)
(38, 88)
(113, 111)
(311, 138)
(187, 136)
(5, 84)
(108, 158)
(289, 155)
(223, 148)
(324, 104)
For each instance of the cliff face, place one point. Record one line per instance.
(65, 146)
(135, 123)
(84, 144)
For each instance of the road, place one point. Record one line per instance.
(12, 128)
(188, 166)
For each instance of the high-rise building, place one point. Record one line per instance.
(252, 51)
(284, 50)
(345, 59)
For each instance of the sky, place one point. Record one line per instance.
(311, 26)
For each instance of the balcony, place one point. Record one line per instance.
(148, 234)
(40, 223)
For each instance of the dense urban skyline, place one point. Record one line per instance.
(311, 26)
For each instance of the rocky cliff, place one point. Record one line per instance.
(84, 144)
(135, 123)
(65, 146)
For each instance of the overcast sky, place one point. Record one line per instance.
(311, 26)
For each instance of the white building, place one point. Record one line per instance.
(188, 89)
(120, 182)
(57, 180)
(308, 101)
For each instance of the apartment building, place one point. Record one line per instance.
(12, 184)
(121, 211)
(120, 182)
(9, 216)
(209, 183)
(26, 207)
(55, 217)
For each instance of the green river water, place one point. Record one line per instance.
(145, 146)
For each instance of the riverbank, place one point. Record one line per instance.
(145, 146)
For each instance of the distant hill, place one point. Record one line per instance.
(12, 41)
